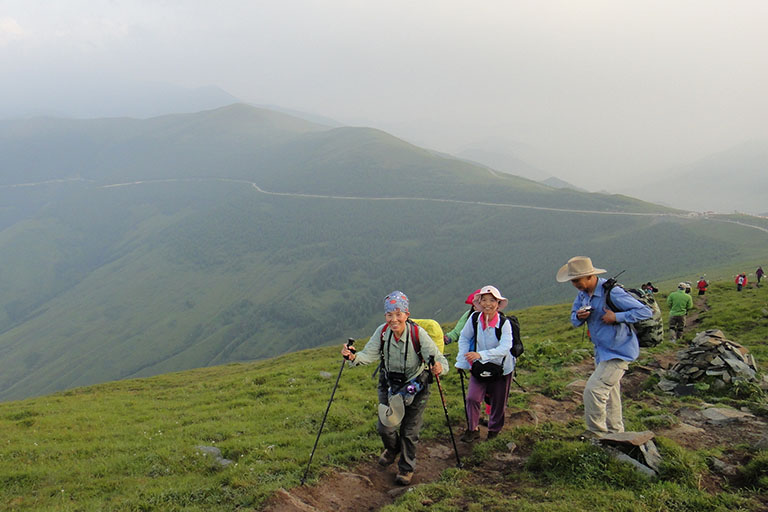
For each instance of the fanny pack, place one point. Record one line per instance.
(487, 371)
(408, 389)
(392, 412)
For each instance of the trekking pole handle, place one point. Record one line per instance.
(350, 342)
(431, 364)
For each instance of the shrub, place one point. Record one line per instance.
(678, 464)
(755, 472)
(581, 463)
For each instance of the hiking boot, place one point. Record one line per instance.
(470, 436)
(387, 458)
(491, 435)
(404, 478)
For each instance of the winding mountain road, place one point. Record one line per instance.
(260, 190)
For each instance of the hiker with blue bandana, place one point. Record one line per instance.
(403, 349)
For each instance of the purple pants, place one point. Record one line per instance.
(498, 391)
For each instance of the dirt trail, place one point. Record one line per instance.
(369, 487)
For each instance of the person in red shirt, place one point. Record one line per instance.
(702, 285)
(741, 281)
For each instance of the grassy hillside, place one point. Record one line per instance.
(132, 445)
(132, 248)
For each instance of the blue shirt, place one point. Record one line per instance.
(612, 341)
(491, 350)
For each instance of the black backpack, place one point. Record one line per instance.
(650, 332)
(517, 343)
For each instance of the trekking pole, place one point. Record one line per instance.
(350, 341)
(445, 408)
(514, 374)
(464, 397)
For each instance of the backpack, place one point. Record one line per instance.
(433, 329)
(650, 332)
(517, 343)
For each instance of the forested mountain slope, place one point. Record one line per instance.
(136, 247)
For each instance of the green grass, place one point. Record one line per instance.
(132, 445)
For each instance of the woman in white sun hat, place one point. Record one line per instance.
(484, 345)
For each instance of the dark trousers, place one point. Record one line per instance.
(498, 391)
(676, 325)
(404, 438)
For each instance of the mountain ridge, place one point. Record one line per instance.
(237, 234)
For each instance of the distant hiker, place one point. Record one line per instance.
(759, 273)
(741, 281)
(702, 285)
(485, 352)
(649, 289)
(403, 387)
(453, 335)
(679, 304)
(615, 342)
(687, 287)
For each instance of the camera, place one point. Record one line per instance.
(396, 380)
(585, 308)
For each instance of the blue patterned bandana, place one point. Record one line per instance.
(394, 301)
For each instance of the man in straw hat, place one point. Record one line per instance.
(615, 342)
(403, 382)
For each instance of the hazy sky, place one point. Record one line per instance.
(589, 90)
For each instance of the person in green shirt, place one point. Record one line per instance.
(453, 335)
(679, 304)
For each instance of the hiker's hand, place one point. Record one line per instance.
(348, 354)
(447, 340)
(583, 313)
(471, 357)
(609, 317)
(437, 368)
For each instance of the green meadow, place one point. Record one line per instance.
(133, 444)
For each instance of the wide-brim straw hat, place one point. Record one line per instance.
(392, 415)
(493, 291)
(578, 266)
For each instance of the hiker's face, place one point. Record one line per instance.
(585, 284)
(396, 321)
(489, 305)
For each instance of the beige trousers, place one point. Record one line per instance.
(602, 397)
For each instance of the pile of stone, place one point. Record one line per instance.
(713, 358)
(636, 448)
